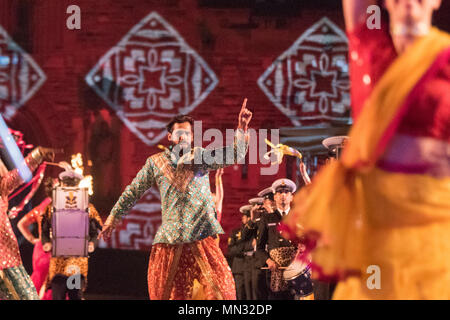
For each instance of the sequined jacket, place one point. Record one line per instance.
(187, 207)
(9, 249)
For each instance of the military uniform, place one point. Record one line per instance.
(255, 278)
(235, 253)
(270, 244)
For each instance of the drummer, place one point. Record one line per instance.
(277, 251)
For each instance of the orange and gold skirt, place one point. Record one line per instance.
(173, 270)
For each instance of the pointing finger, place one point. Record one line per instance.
(244, 104)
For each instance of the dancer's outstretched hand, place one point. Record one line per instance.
(244, 116)
(106, 232)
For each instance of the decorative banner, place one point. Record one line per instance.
(20, 76)
(137, 230)
(310, 80)
(150, 76)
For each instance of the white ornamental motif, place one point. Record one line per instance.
(150, 76)
(310, 80)
(20, 76)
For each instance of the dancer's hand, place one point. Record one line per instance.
(272, 264)
(47, 247)
(49, 153)
(244, 116)
(106, 232)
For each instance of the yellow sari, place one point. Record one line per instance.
(366, 217)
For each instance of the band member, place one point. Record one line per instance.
(268, 201)
(61, 268)
(15, 284)
(184, 247)
(236, 251)
(386, 199)
(279, 252)
(335, 146)
(41, 259)
(255, 278)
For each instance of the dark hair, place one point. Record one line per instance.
(70, 182)
(179, 119)
(48, 186)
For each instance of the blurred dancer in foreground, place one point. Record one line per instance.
(379, 218)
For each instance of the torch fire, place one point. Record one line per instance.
(77, 165)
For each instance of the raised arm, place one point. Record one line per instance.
(24, 223)
(32, 217)
(304, 173)
(355, 12)
(133, 192)
(214, 159)
(12, 179)
(219, 194)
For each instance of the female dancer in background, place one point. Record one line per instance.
(41, 259)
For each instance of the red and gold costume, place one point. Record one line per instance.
(41, 259)
(14, 280)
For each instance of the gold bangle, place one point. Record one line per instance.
(36, 154)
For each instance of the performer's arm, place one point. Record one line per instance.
(355, 12)
(235, 246)
(25, 222)
(219, 194)
(304, 173)
(248, 231)
(12, 179)
(262, 237)
(133, 192)
(229, 155)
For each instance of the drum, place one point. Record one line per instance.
(70, 233)
(70, 222)
(298, 277)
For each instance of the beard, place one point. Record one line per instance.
(180, 149)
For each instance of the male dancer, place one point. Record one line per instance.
(184, 248)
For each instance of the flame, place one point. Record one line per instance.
(77, 165)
